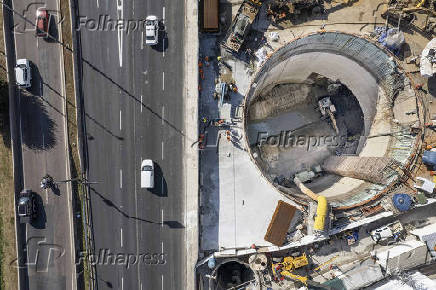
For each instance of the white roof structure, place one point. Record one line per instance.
(404, 256)
(428, 68)
(415, 281)
(427, 234)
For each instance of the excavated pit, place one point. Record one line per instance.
(286, 131)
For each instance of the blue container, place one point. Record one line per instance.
(402, 201)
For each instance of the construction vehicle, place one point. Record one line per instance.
(286, 268)
(241, 25)
(328, 109)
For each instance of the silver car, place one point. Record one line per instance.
(151, 30)
(147, 174)
(23, 75)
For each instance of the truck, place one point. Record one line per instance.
(388, 234)
(27, 206)
(241, 24)
(210, 12)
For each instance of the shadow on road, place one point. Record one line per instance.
(163, 41)
(109, 203)
(160, 184)
(41, 219)
(36, 125)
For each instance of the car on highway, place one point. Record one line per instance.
(147, 174)
(27, 208)
(22, 73)
(151, 30)
(42, 23)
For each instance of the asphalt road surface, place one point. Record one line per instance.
(42, 130)
(134, 110)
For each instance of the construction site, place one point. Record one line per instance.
(317, 136)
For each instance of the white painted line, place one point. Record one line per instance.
(163, 13)
(140, 285)
(122, 283)
(120, 31)
(161, 218)
(141, 103)
(120, 122)
(163, 47)
(163, 114)
(121, 178)
(142, 40)
(98, 4)
(162, 150)
(121, 235)
(162, 248)
(162, 282)
(163, 81)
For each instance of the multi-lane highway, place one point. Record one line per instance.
(41, 118)
(133, 101)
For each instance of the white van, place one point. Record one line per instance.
(22, 73)
(147, 174)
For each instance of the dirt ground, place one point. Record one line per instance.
(8, 274)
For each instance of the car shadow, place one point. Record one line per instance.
(41, 219)
(52, 28)
(163, 41)
(37, 88)
(160, 184)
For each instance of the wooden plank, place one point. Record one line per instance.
(280, 222)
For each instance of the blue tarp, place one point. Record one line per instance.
(429, 158)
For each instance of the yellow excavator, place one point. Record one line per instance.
(289, 264)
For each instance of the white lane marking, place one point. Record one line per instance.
(121, 235)
(163, 13)
(120, 122)
(141, 103)
(163, 47)
(142, 40)
(140, 285)
(122, 283)
(163, 81)
(120, 15)
(121, 178)
(162, 281)
(162, 248)
(162, 150)
(98, 4)
(163, 114)
(161, 218)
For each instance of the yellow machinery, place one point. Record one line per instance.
(289, 264)
(322, 208)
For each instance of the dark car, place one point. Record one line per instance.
(27, 208)
(42, 23)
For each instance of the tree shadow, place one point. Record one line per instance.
(36, 125)
(41, 219)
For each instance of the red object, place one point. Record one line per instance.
(418, 86)
(42, 23)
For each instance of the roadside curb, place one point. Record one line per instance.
(190, 94)
(68, 163)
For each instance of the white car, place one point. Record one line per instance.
(147, 174)
(22, 73)
(151, 30)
